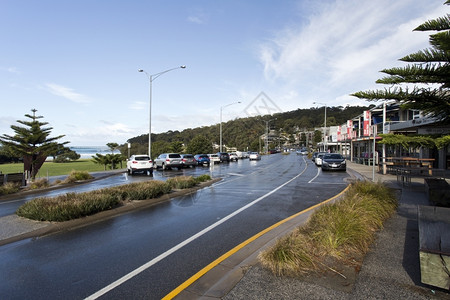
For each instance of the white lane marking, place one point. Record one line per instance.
(184, 243)
(318, 173)
(236, 174)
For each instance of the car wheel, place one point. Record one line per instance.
(150, 173)
(131, 172)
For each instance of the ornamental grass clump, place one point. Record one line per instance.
(338, 231)
(39, 184)
(182, 182)
(202, 178)
(9, 188)
(68, 206)
(141, 190)
(75, 176)
(76, 205)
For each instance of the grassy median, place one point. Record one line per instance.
(76, 205)
(334, 233)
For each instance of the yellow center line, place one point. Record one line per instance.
(213, 264)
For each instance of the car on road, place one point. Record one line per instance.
(188, 160)
(140, 163)
(333, 161)
(223, 156)
(202, 159)
(318, 160)
(233, 156)
(214, 158)
(254, 156)
(168, 161)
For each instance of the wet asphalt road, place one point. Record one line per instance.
(166, 244)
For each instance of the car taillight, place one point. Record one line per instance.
(134, 162)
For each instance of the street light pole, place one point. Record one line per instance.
(267, 134)
(325, 124)
(221, 108)
(152, 77)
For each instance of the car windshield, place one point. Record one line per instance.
(174, 156)
(142, 158)
(333, 156)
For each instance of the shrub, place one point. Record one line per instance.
(336, 230)
(38, 184)
(77, 205)
(203, 178)
(77, 176)
(182, 182)
(141, 190)
(9, 188)
(68, 206)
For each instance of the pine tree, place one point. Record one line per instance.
(32, 142)
(428, 67)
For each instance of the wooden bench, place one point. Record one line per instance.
(434, 245)
(13, 177)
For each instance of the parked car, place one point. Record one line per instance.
(188, 160)
(233, 156)
(318, 159)
(223, 156)
(254, 156)
(333, 161)
(202, 159)
(140, 163)
(242, 154)
(168, 161)
(313, 157)
(214, 158)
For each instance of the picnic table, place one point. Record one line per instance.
(392, 164)
(404, 174)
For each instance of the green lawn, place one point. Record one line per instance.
(50, 168)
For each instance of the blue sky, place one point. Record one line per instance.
(76, 62)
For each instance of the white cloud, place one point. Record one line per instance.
(66, 92)
(139, 105)
(341, 47)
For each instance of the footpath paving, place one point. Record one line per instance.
(390, 270)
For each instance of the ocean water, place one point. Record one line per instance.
(89, 151)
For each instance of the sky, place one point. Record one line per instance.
(76, 61)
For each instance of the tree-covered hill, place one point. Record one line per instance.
(244, 133)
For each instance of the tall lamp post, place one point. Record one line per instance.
(267, 134)
(221, 108)
(152, 77)
(325, 125)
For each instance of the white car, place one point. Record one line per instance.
(233, 156)
(214, 158)
(254, 156)
(319, 157)
(140, 163)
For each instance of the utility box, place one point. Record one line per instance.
(438, 191)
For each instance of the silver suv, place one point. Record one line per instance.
(168, 161)
(140, 163)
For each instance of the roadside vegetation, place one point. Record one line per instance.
(76, 205)
(335, 233)
(9, 188)
(50, 168)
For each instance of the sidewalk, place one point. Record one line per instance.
(390, 270)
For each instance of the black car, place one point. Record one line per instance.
(223, 156)
(333, 161)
